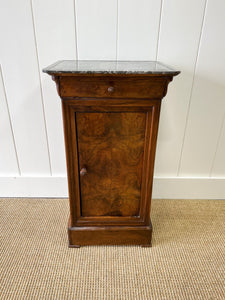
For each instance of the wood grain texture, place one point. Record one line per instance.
(70, 137)
(111, 147)
(122, 86)
(72, 107)
(109, 236)
(117, 235)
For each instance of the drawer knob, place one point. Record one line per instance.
(83, 171)
(111, 89)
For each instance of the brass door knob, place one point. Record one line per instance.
(83, 171)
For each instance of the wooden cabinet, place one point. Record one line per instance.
(111, 115)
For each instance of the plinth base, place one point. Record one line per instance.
(110, 235)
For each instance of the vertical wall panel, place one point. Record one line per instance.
(96, 29)
(180, 30)
(218, 168)
(35, 33)
(20, 69)
(8, 162)
(55, 34)
(208, 98)
(138, 24)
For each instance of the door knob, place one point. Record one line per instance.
(83, 171)
(111, 89)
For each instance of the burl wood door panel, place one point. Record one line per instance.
(111, 148)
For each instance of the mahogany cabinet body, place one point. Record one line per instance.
(110, 128)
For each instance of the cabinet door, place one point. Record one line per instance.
(110, 150)
(110, 153)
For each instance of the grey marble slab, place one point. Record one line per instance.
(109, 67)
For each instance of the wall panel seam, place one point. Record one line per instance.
(41, 88)
(217, 145)
(192, 86)
(75, 28)
(117, 27)
(10, 121)
(159, 30)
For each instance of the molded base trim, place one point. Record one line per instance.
(110, 235)
(163, 188)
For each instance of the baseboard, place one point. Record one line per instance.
(163, 188)
(50, 187)
(189, 188)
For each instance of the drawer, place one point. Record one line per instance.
(152, 87)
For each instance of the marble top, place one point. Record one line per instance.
(109, 67)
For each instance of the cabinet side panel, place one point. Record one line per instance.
(149, 160)
(72, 161)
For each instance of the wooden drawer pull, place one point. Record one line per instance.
(111, 89)
(83, 171)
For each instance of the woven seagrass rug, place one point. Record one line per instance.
(187, 260)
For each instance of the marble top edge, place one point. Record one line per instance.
(109, 67)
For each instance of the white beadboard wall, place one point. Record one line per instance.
(188, 35)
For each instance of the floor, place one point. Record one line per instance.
(187, 260)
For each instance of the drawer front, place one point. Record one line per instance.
(109, 87)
